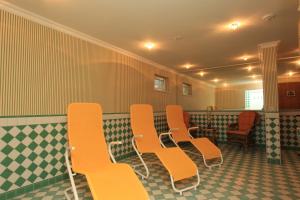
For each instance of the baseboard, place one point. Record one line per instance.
(23, 190)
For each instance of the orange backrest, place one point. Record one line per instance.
(186, 119)
(85, 134)
(176, 121)
(142, 123)
(246, 120)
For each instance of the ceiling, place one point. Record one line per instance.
(186, 31)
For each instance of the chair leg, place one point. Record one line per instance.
(71, 176)
(180, 191)
(144, 176)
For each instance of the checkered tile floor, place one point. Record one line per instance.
(244, 175)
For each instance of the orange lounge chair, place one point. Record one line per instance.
(179, 133)
(146, 140)
(89, 156)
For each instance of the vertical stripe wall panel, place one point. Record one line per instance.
(44, 69)
(268, 57)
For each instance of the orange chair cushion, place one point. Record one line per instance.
(113, 183)
(90, 157)
(204, 145)
(175, 121)
(186, 119)
(246, 120)
(142, 123)
(85, 133)
(178, 164)
(207, 148)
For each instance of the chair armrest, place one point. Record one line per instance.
(193, 128)
(173, 129)
(110, 151)
(163, 134)
(138, 136)
(115, 143)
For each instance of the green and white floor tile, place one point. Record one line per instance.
(244, 175)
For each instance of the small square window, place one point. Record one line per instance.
(186, 89)
(160, 83)
(254, 99)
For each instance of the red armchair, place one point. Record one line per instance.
(186, 118)
(241, 132)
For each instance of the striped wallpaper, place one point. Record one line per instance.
(268, 58)
(43, 69)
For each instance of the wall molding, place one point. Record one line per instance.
(9, 7)
(269, 44)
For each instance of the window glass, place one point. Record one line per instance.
(160, 83)
(186, 89)
(254, 99)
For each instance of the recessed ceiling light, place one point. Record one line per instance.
(216, 80)
(188, 65)
(249, 68)
(291, 73)
(245, 57)
(234, 25)
(201, 74)
(253, 76)
(149, 45)
(225, 84)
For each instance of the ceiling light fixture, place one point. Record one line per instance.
(201, 74)
(245, 58)
(149, 45)
(225, 84)
(253, 76)
(291, 73)
(188, 65)
(249, 69)
(234, 25)
(216, 80)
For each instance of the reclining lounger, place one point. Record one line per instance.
(181, 134)
(89, 156)
(146, 140)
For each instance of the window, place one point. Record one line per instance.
(254, 99)
(160, 83)
(186, 89)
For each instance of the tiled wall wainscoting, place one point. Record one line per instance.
(31, 153)
(273, 147)
(289, 121)
(32, 149)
